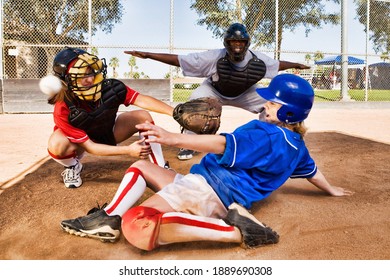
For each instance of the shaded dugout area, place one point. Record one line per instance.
(379, 75)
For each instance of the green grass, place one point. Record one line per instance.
(183, 95)
(355, 94)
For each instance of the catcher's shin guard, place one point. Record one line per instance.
(140, 227)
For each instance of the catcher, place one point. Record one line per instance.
(86, 119)
(210, 203)
(231, 73)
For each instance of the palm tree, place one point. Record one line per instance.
(95, 51)
(385, 56)
(114, 63)
(307, 58)
(318, 55)
(133, 66)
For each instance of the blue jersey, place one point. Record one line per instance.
(258, 159)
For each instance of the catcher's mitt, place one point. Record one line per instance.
(201, 115)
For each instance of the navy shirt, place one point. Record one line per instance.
(258, 159)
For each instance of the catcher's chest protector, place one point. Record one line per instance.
(233, 82)
(99, 122)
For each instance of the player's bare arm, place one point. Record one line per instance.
(139, 54)
(203, 143)
(137, 149)
(283, 65)
(320, 182)
(152, 104)
(171, 59)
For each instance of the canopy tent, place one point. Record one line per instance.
(336, 60)
(379, 75)
(332, 60)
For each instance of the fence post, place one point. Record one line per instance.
(344, 51)
(170, 50)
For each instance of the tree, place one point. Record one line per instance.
(259, 17)
(57, 22)
(379, 23)
(114, 63)
(307, 58)
(95, 51)
(133, 66)
(385, 56)
(144, 76)
(318, 55)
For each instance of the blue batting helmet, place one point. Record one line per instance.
(294, 93)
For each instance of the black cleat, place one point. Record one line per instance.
(254, 232)
(96, 225)
(97, 208)
(184, 154)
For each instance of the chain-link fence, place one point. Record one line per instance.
(311, 32)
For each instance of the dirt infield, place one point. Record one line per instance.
(311, 224)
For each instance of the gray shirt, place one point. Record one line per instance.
(204, 64)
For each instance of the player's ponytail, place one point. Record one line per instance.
(299, 128)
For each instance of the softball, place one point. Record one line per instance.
(50, 85)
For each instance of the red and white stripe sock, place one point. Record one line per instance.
(129, 191)
(182, 227)
(66, 161)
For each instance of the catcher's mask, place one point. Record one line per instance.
(74, 65)
(236, 32)
(294, 93)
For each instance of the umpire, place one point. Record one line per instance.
(231, 73)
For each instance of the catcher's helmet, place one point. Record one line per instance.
(236, 31)
(294, 93)
(72, 65)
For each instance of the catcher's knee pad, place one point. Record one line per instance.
(140, 226)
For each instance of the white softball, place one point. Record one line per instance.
(50, 85)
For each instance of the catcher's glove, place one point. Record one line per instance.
(201, 115)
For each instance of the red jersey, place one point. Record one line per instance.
(76, 135)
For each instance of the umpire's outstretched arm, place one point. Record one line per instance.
(171, 59)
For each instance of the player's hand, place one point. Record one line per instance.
(161, 136)
(140, 149)
(137, 54)
(338, 191)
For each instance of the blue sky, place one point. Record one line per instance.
(145, 23)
